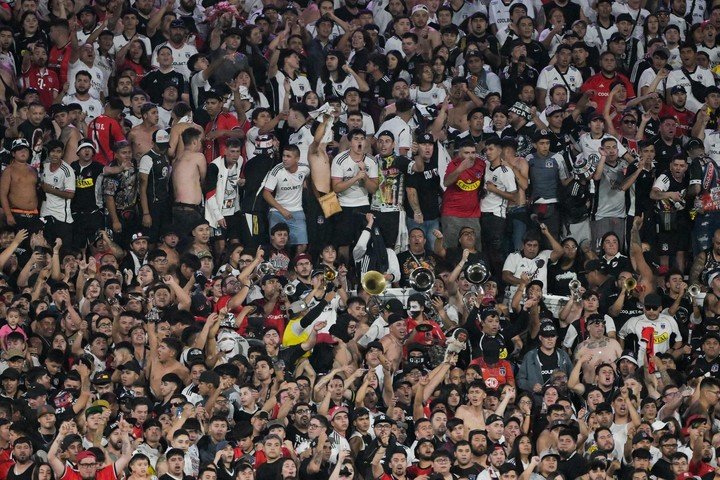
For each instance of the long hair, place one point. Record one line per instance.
(325, 73)
(144, 61)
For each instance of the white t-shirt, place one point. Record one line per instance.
(551, 76)
(499, 13)
(338, 88)
(401, 130)
(344, 168)
(702, 75)
(535, 268)
(302, 139)
(647, 77)
(119, 41)
(180, 57)
(98, 82)
(597, 36)
(368, 125)
(664, 327)
(287, 186)
(503, 178)
(64, 179)
(591, 146)
(434, 96)
(92, 106)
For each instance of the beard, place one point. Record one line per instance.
(82, 91)
(478, 452)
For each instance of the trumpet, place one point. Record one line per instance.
(421, 279)
(289, 290)
(693, 290)
(330, 274)
(373, 282)
(575, 289)
(477, 273)
(470, 298)
(630, 284)
(265, 268)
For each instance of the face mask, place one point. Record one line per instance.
(415, 314)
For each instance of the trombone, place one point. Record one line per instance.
(374, 283)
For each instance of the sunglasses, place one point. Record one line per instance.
(652, 308)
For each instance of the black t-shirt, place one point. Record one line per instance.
(323, 474)
(86, 185)
(573, 467)
(664, 153)
(269, 471)
(155, 82)
(427, 186)
(470, 472)
(643, 184)
(549, 364)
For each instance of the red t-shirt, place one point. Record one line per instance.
(601, 85)
(59, 61)
(685, 119)
(462, 199)
(104, 132)
(216, 148)
(105, 473)
(497, 375)
(45, 81)
(422, 337)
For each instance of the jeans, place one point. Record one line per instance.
(703, 231)
(516, 226)
(427, 227)
(493, 228)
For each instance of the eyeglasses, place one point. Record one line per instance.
(176, 404)
(314, 425)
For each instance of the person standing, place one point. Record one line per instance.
(222, 198)
(500, 189)
(18, 190)
(58, 183)
(461, 202)
(87, 202)
(546, 170)
(121, 194)
(187, 177)
(423, 190)
(154, 188)
(283, 192)
(105, 131)
(354, 176)
(223, 126)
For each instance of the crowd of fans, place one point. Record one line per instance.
(395, 240)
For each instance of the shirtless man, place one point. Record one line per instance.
(141, 136)
(188, 176)
(182, 119)
(165, 361)
(520, 168)
(598, 346)
(473, 413)
(319, 160)
(393, 342)
(18, 190)
(69, 135)
(458, 98)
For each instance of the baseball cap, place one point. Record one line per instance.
(426, 138)
(335, 410)
(45, 410)
(393, 305)
(652, 300)
(19, 143)
(553, 109)
(550, 452)
(85, 143)
(640, 436)
(161, 136)
(138, 236)
(547, 329)
(677, 89)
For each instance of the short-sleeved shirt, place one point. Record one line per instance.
(288, 186)
(535, 268)
(216, 148)
(400, 130)
(665, 330)
(461, 199)
(391, 185)
(344, 168)
(64, 179)
(504, 179)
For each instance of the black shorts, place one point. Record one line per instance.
(677, 239)
(348, 224)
